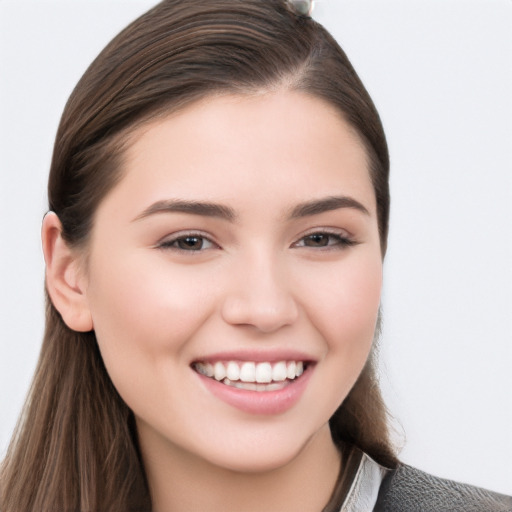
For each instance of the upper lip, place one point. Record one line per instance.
(257, 356)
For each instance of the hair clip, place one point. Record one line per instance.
(302, 7)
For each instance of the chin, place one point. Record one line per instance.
(261, 453)
(256, 460)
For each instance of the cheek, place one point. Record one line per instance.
(345, 310)
(143, 312)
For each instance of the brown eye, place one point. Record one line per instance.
(190, 243)
(326, 240)
(317, 240)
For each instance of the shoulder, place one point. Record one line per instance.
(407, 489)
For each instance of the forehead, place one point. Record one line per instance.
(258, 144)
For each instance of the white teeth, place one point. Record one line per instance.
(233, 371)
(290, 370)
(263, 373)
(248, 372)
(275, 386)
(203, 369)
(279, 372)
(219, 371)
(251, 386)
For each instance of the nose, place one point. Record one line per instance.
(260, 296)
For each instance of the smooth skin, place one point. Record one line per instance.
(257, 273)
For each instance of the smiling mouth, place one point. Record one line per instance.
(252, 376)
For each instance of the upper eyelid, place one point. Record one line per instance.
(327, 231)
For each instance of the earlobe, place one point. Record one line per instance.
(64, 280)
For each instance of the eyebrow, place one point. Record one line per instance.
(207, 209)
(327, 204)
(193, 207)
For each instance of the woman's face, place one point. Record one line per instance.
(242, 240)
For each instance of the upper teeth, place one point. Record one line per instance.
(251, 372)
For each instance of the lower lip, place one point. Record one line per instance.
(260, 402)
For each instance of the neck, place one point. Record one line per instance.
(181, 481)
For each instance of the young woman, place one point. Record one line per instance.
(218, 219)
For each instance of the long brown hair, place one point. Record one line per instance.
(75, 447)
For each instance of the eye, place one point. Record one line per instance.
(190, 242)
(323, 239)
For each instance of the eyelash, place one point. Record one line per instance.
(341, 241)
(335, 241)
(172, 243)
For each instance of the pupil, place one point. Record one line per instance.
(191, 242)
(318, 240)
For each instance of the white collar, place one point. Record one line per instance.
(364, 490)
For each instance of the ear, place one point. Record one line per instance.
(64, 280)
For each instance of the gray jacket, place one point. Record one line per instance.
(407, 489)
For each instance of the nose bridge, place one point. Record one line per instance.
(260, 293)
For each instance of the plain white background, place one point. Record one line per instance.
(440, 74)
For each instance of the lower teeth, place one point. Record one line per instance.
(251, 386)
